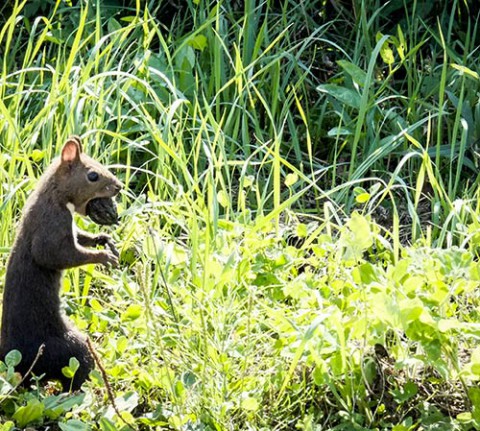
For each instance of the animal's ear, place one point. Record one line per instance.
(71, 150)
(78, 140)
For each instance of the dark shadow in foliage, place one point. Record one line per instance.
(465, 14)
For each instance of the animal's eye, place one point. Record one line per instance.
(92, 176)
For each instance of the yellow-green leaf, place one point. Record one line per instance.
(199, 42)
(291, 179)
(37, 155)
(223, 198)
(362, 198)
(465, 70)
(133, 312)
(250, 404)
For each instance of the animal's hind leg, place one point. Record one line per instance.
(57, 354)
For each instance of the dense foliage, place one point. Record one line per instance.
(300, 225)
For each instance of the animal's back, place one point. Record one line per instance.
(31, 303)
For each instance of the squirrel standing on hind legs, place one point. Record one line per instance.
(47, 243)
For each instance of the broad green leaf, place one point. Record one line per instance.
(360, 228)
(413, 284)
(199, 42)
(464, 417)
(176, 254)
(367, 273)
(410, 310)
(95, 305)
(248, 181)
(72, 368)
(122, 344)
(402, 44)
(13, 358)
(68, 372)
(185, 58)
(74, 425)
(474, 396)
(445, 325)
(358, 75)
(362, 198)
(302, 230)
(189, 379)
(56, 405)
(369, 370)
(475, 355)
(180, 389)
(339, 131)
(30, 413)
(406, 392)
(400, 271)
(345, 95)
(320, 376)
(358, 190)
(133, 312)
(7, 426)
(73, 364)
(476, 369)
(113, 25)
(127, 402)
(107, 425)
(387, 54)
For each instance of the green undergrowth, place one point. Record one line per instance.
(313, 326)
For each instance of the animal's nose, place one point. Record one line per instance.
(114, 187)
(118, 186)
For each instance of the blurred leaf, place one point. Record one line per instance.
(362, 198)
(345, 95)
(57, 405)
(13, 358)
(358, 75)
(406, 392)
(198, 42)
(291, 179)
(339, 131)
(72, 368)
(250, 404)
(386, 52)
(37, 155)
(30, 413)
(465, 70)
(73, 425)
(223, 199)
(113, 25)
(133, 312)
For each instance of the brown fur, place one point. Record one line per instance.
(46, 244)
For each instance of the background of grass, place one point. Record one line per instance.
(280, 158)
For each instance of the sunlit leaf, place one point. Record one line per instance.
(30, 413)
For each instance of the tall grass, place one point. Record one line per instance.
(233, 129)
(214, 106)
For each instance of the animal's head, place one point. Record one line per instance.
(80, 178)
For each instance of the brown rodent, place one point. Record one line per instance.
(48, 242)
